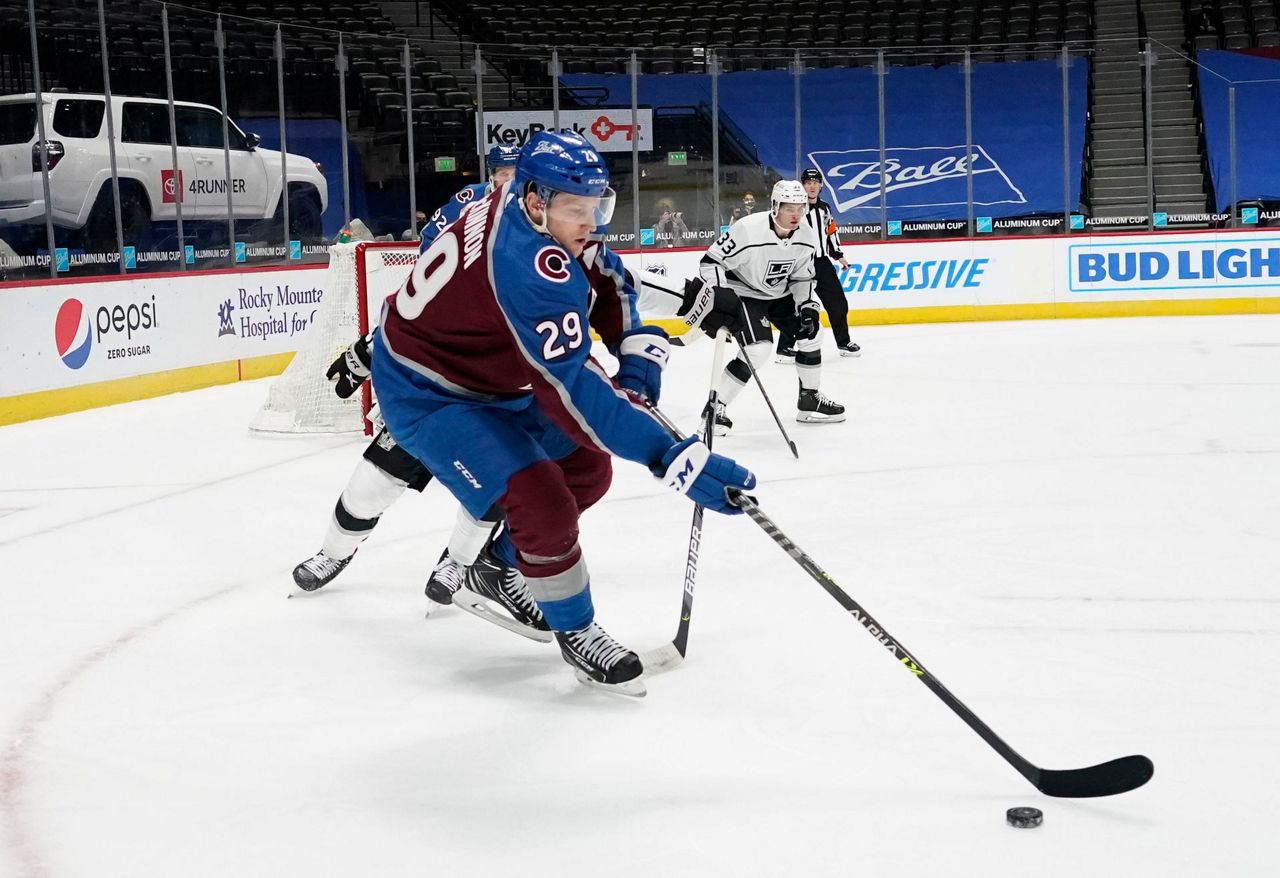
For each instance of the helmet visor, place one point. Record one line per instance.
(582, 210)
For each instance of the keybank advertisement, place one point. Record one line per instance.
(71, 334)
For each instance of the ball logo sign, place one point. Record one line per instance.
(72, 335)
(927, 176)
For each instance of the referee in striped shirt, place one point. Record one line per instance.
(829, 290)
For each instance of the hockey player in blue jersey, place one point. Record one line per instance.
(386, 470)
(501, 165)
(483, 371)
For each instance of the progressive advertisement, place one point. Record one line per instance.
(1058, 271)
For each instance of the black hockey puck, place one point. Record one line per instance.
(1024, 818)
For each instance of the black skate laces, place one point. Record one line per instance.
(595, 644)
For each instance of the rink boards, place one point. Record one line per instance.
(76, 344)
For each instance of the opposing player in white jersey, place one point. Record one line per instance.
(386, 470)
(768, 260)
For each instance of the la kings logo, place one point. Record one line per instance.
(777, 272)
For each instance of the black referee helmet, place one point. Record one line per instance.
(810, 174)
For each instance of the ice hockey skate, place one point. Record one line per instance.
(498, 594)
(600, 661)
(445, 580)
(785, 355)
(849, 349)
(723, 424)
(814, 408)
(318, 570)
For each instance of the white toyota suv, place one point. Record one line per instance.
(150, 185)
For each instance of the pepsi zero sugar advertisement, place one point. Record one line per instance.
(1017, 154)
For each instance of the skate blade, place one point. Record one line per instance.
(850, 353)
(784, 360)
(438, 598)
(465, 599)
(814, 418)
(632, 688)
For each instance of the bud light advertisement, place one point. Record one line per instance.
(1015, 157)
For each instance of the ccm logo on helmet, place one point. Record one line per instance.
(552, 263)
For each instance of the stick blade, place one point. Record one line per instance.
(661, 659)
(1107, 779)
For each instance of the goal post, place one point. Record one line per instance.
(360, 277)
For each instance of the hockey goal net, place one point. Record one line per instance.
(301, 400)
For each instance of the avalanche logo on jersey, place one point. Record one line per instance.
(464, 195)
(71, 334)
(778, 271)
(552, 263)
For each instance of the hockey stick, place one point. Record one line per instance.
(737, 336)
(1106, 779)
(669, 655)
(650, 281)
(688, 339)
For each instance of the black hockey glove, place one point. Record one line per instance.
(809, 324)
(351, 369)
(711, 308)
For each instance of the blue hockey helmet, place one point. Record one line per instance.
(502, 156)
(561, 161)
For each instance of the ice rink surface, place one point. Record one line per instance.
(1075, 525)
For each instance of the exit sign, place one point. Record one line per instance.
(678, 158)
(446, 164)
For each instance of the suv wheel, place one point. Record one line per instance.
(135, 218)
(304, 215)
